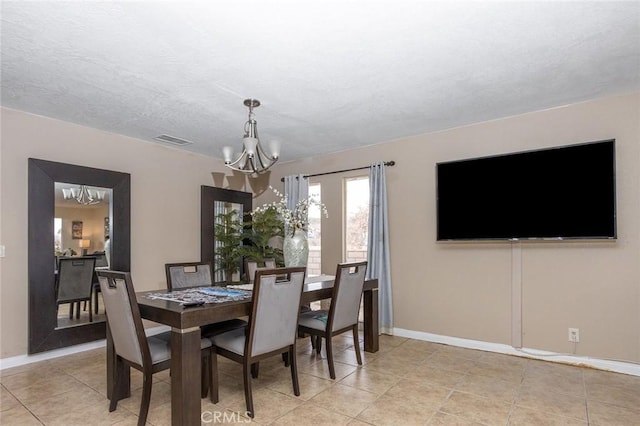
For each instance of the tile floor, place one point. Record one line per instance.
(407, 382)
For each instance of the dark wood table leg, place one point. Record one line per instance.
(185, 376)
(371, 325)
(125, 386)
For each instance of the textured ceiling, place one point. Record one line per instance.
(330, 75)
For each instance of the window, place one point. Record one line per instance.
(314, 264)
(356, 218)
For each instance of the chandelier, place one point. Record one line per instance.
(83, 195)
(253, 159)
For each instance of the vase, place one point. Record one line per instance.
(296, 249)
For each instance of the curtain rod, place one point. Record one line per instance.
(386, 163)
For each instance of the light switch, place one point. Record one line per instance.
(1, 251)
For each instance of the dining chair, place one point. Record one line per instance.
(188, 274)
(343, 312)
(253, 265)
(198, 274)
(132, 347)
(75, 283)
(272, 329)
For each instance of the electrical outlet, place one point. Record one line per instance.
(574, 335)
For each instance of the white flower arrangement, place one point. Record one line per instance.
(292, 219)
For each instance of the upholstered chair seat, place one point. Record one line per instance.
(314, 319)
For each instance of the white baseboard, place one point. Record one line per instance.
(601, 364)
(19, 360)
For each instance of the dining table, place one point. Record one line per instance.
(185, 323)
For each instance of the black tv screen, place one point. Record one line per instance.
(558, 193)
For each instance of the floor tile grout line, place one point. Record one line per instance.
(586, 396)
(22, 404)
(514, 402)
(460, 377)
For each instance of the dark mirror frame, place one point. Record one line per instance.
(208, 195)
(43, 332)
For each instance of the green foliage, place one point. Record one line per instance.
(265, 225)
(229, 232)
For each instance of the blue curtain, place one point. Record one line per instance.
(379, 265)
(296, 188)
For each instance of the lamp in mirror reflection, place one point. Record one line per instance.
(253, 159)
(84, 245)
(83, 195)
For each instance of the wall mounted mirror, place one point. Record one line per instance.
(84, 221)
(214, 203)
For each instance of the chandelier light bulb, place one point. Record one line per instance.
(227, 153)
(274, 148)
(83, 195)
(250, 145)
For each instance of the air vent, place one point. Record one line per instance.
(172, 140)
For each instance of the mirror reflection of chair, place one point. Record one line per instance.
(133, 348)
(75, 283)
(272, 329)
(101, 259)
(101, 263)
(198, 274)
(343, 311)
(253, 265)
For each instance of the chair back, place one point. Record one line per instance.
(273, 322)
(101, 260)
(75, 278)
(123, 316)
(347, 292)
(188, 274)
(253, 265)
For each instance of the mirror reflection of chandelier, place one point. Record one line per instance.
(253, 159)
(83, 195)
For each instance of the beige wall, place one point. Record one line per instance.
(459, 290)
(165, 204)
(92, 219)
(464, 289)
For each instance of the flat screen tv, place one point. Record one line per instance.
(567, 192)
